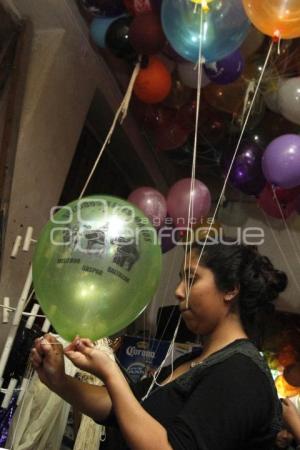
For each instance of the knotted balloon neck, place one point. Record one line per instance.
(203, 3)
(277, 36)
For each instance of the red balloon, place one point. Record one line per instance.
(286, 196)
(186, 115)
(297, 204)
(171, 136)
(268, 203)
(138, 6)
(157, 116)
(153, 84)
(146, 34)
(212, 126)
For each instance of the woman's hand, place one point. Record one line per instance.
(289, 411)
(48, 360)
(291, 418)
(85, 356)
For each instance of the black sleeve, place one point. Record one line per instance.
(232, 399)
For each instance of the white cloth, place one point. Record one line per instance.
(90, 434)
(40, 420)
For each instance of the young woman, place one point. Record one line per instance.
(223, 398)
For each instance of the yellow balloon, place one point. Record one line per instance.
(203, 3)
(276, 18)
(284, 389)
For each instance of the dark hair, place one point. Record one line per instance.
(241, 266)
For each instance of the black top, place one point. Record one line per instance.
(228, 402)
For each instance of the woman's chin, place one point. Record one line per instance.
(191, 324)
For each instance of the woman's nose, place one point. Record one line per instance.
(180, 291)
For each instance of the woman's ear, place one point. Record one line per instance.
(230, 295)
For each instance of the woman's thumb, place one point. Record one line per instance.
(46, 346)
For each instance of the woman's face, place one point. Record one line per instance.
(205, 307)
(284, 439)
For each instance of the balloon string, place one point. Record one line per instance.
(222, 194)
(281, 251)
(188, 247)
(279, 46)
(158, 371)
(285, 224)
(120, 114)
(190, 215)
(166, 290)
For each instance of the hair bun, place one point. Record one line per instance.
(280, 281)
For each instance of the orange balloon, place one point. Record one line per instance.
(280, 18)
(153, 84)
(228, 97)
(284, 389)
(231, 98)
(287, 356)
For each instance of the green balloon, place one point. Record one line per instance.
(96, 266)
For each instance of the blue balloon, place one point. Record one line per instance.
(99, 27)
(225, 26)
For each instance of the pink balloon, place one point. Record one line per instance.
(268, 203)
(152, 203)
(178, 202)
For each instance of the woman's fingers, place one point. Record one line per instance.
(35, 358)
(72, 345)
(87, 342)
(78, 343)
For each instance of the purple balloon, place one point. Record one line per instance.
(281, 161)
(246, 173)
(178, 202)
(166, 235)
(226, 70)
(103, 8)
(152, 203)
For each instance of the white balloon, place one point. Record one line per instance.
(188, 73)
(289, 99)
(271, 100)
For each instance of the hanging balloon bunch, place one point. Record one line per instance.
(230, 38)
(168, 78)
(171, 216)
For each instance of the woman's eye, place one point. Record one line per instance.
(191, 280)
